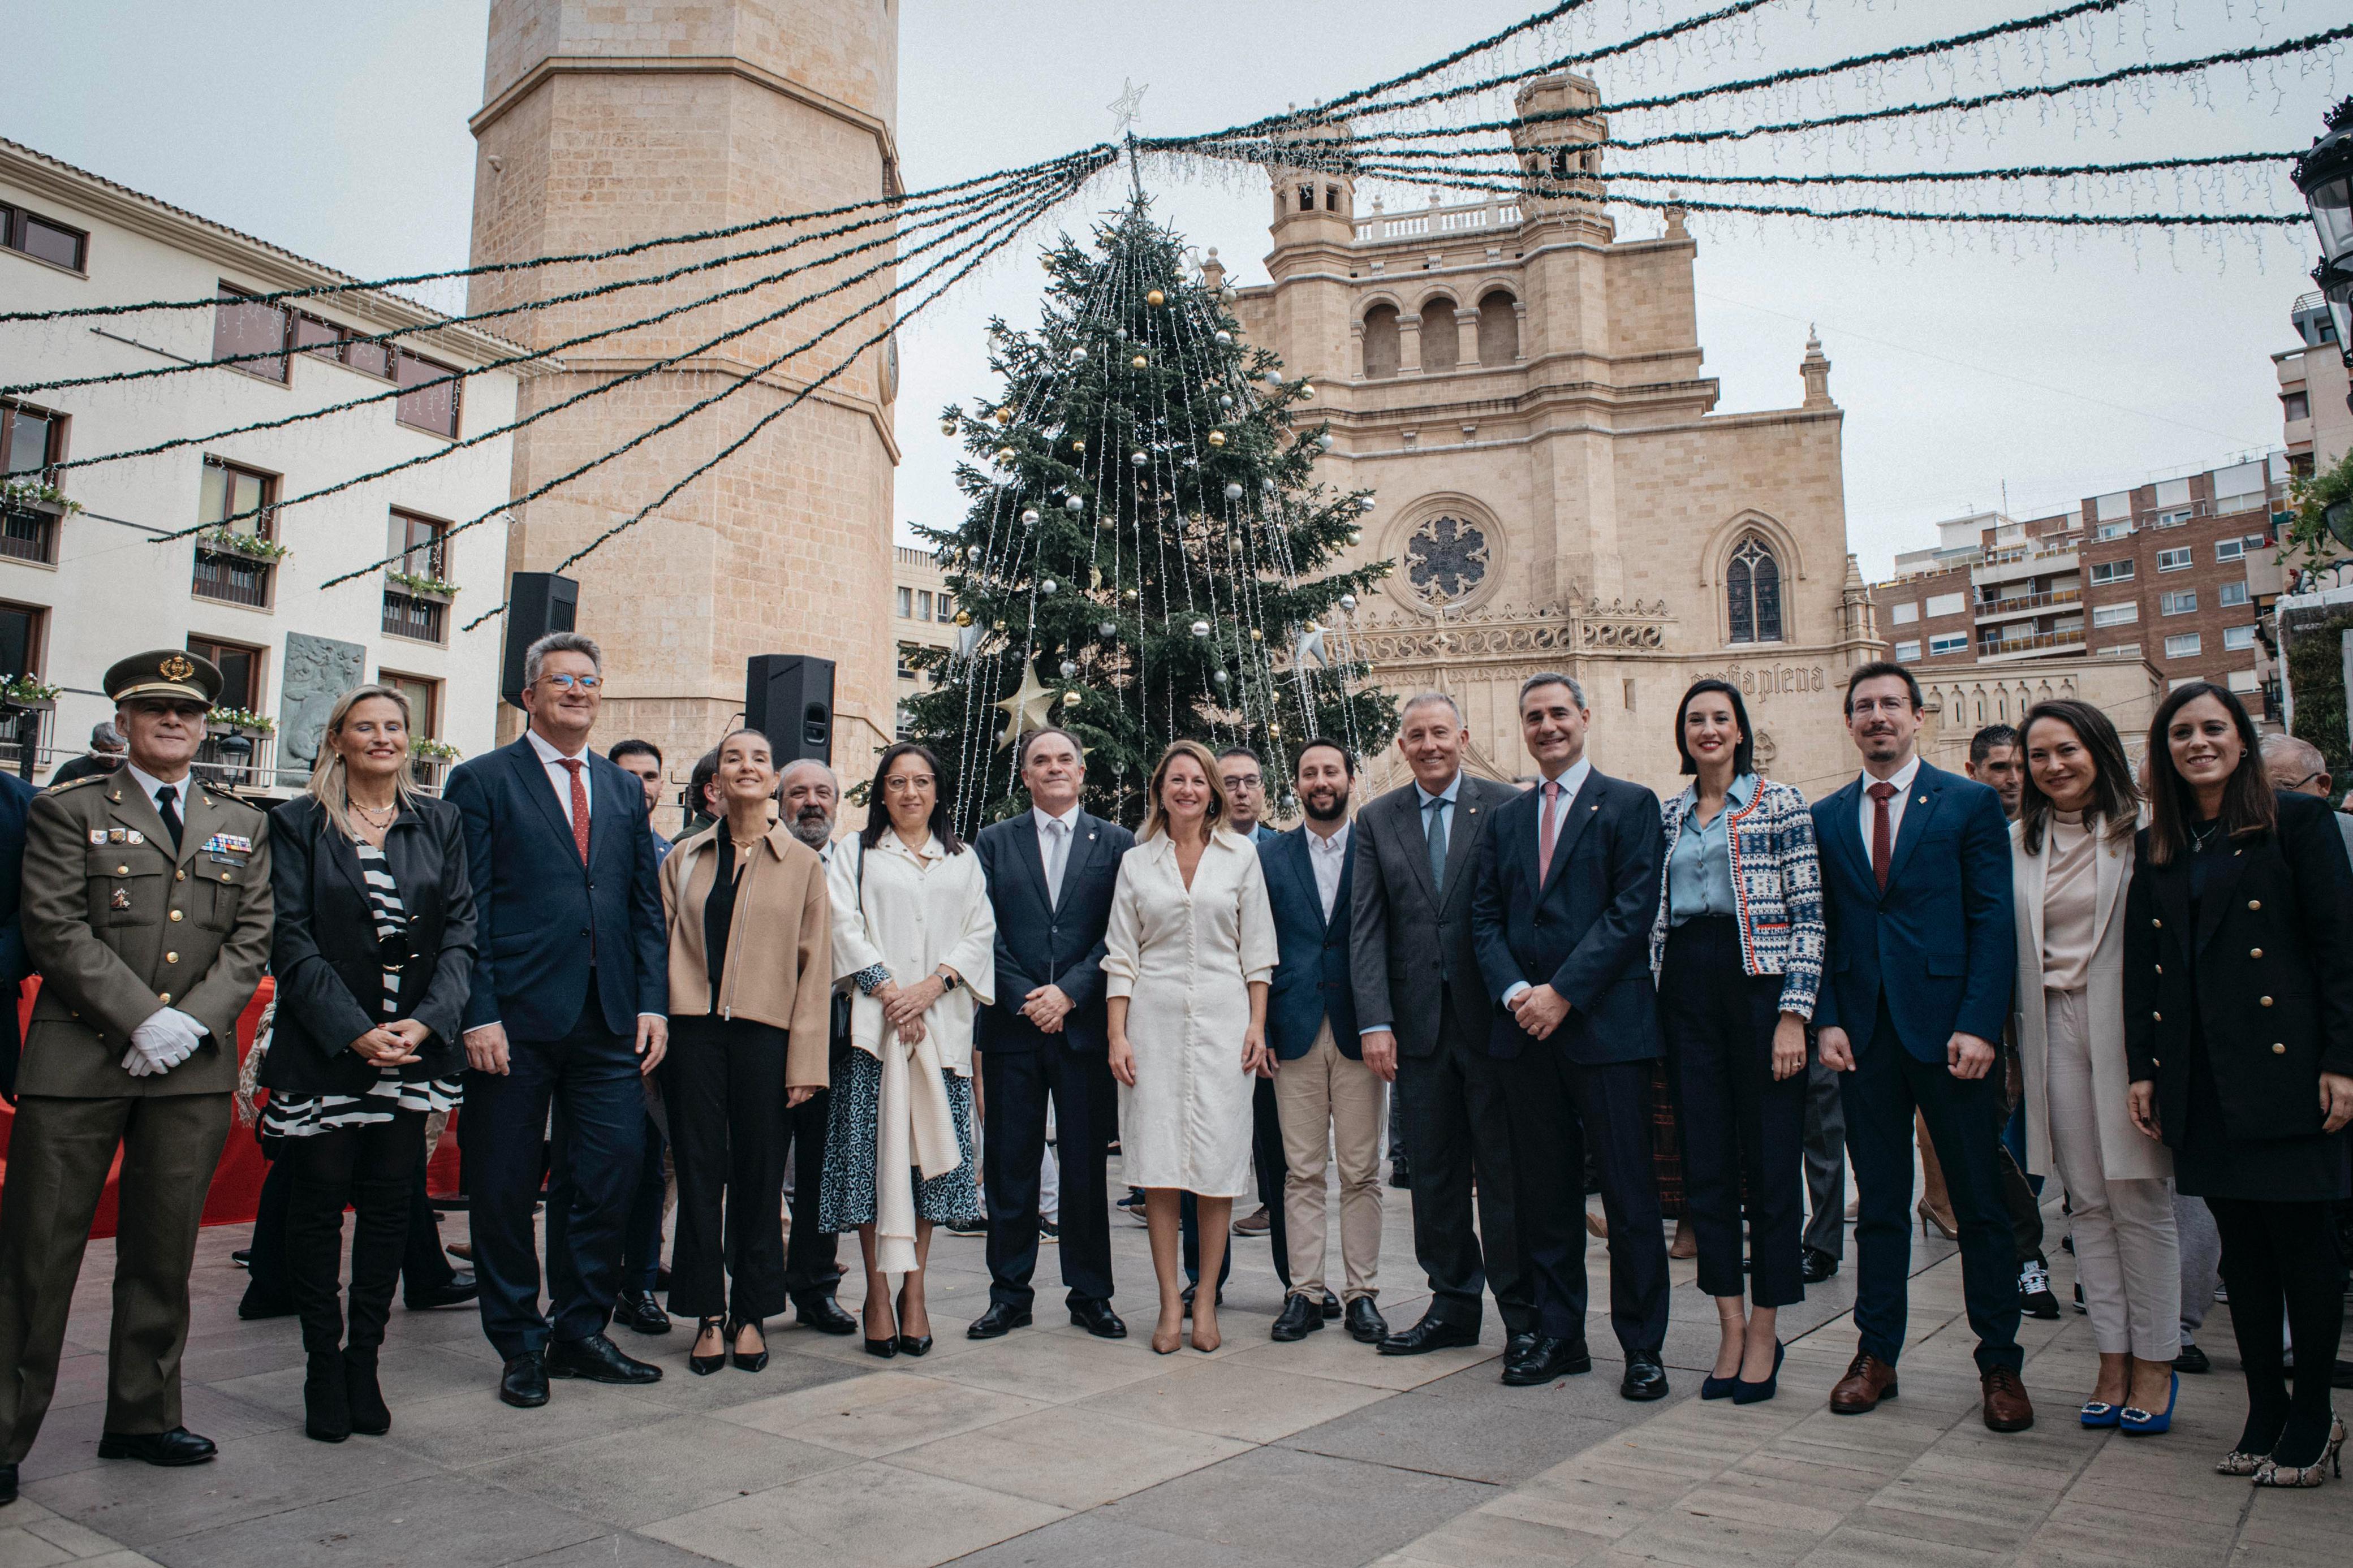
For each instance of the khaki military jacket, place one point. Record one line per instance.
(119, 927)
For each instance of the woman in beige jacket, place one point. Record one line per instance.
(751, 979)
(2072, 854)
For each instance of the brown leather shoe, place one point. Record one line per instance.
(1868, 1381)
(2006, 1408)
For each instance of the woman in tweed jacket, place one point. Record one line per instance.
(1737, 952)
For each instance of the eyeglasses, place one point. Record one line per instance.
(573, 682)
(2307, 779)
(1883, 705)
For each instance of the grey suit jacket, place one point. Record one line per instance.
(1409, 945)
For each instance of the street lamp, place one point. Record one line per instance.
(2325, 175)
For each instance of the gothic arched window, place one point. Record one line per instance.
(1752, 586)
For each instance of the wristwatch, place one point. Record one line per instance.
(947, 979)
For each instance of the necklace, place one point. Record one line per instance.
(375, 815)
(2204, 833)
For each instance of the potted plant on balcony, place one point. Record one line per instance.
(222, 540)
(24, 494)
(425, 749)
(422, 585)
(28, 693)
(238, 721)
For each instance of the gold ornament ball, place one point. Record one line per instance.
(963, 617)
(1138, 361)
(1005, 454)
(1306, 392)
(1129, 595)
(1155, 298)
(1078, 447)
(1217, 437)
(1000, 625)
(1005, 417)
(1069, 699)
(1257, 635)
(947, 428)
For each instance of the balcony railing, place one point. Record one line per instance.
(24, 733)
(410, 615)
(234, 579)
(237, 760)
(2022, 604)
(1993, 648)
(30, 533)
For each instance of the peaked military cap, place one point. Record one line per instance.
(169, 673)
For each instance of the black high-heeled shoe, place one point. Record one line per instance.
(759, 1358)
(914, 1344)
(704, 1365)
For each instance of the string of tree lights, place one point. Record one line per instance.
(1144, 554)
(1397, 130)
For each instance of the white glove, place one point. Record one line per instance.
(167, 1038)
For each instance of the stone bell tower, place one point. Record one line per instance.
(604, 124)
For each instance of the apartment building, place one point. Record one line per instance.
(2317, 424)
(89, 570)
(2176, 572)
(923, 614)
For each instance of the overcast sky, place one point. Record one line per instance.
(1968, 362)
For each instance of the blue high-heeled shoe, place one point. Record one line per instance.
(2099, 1413)
(1746, 1393)
(1718, 1387)
(2145, 1423)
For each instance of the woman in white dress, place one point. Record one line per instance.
(1186, 965)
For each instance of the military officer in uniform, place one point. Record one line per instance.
(146, 911)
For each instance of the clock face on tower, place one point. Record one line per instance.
(1446, 560)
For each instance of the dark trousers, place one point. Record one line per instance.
(1269, 1167)
(1741, 1127)
(2283, 1257)
(2019, 1204)
(1964, 1118)
(1018, 1085)
(424, 1266)
(641, 1239)
(1560, 1109)
(812, 1266)
(371, 1168)
(1824, 1141)
(58, 1155)
(590, 1076)
(1458, 1130)
(724, 1083)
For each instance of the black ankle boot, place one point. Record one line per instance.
(326, 1401)
(369, 1414)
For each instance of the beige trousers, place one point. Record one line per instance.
(1326, 1101)
(2127, 1253)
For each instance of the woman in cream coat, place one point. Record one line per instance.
(914, 931)
(1187, 961)
(2072, 851)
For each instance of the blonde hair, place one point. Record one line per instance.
(1221, 808)
(329, 781)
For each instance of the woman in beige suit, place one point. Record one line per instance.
(2072, 851)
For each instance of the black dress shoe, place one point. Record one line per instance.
(2191, 1359)
(1430, 1334)
(461, 1288)
(1400, 1175)
(177, 1446)
(1366, 1323)
(1645, 1377)
(1818, 1266)
(1098, 1319)
(1299, 1318)
(598, 1359)
(524, 1382)
(7, 1485)
(637, 1312)
(1330, 1307)
(242, 1258)
(1546, 1359)
(998, 1321)
(1188, 1297)
(824, 1314)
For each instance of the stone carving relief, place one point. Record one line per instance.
(1446, 560)
(318, 671)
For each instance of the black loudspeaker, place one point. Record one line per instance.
(789, 697)
(538, 603)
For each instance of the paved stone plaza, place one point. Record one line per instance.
(1051, 1448)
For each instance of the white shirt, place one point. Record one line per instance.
(1902, 779)
(1054, 835)
(151, 784)
(559, 777)
(1571, 782)
(1328, 858)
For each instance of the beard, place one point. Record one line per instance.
(1336, 808)
(813, 828)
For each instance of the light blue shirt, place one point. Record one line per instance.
(1699, 873)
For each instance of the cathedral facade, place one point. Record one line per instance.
(1522, 391)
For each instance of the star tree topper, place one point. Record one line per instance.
(1128, 107)
(1031, 708)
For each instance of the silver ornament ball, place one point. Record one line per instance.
(1200, 628)
(1140, 459)
(1048, 587)
(1234, 492)
(1348, 601)
(1219, 676)
(1074, 505)
(1030, 518)
(1108, 629)
(1069, 670)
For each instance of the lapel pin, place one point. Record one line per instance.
(1924, 800)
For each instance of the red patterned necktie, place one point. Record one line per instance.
(1881, 849)
(580, 809)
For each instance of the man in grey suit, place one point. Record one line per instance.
(1416, 846)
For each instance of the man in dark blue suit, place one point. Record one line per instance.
(569, 1006)
(1325, 1097)
(16, 799)
(1051, 873)
(1566, 889)
(1916, 896)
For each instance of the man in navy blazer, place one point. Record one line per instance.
(1051, 871)
(1565, 890)
(569, 1006)
(1916, 896)
(1325, 1095)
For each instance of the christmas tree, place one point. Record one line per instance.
(1142, 559)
